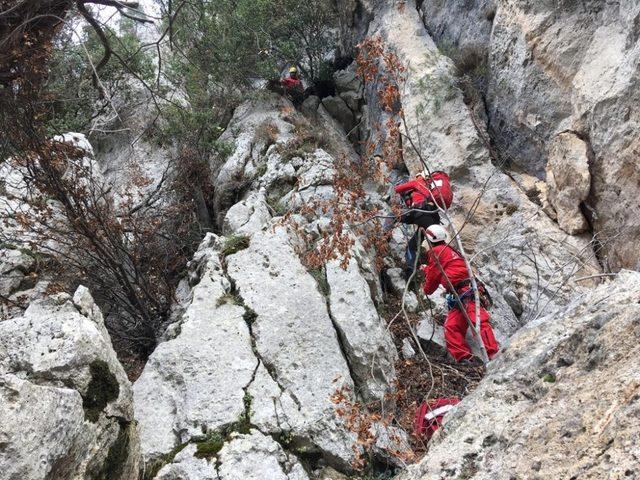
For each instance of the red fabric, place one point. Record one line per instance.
(436, 188)
(291, 83)
(440, 187)
(455, 329)
(427, 427)
(417, 190)
(452, 264)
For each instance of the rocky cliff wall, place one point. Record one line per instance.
(555, 70)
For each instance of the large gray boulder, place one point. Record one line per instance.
(255, 456)
(66, 404)
(338, 109)
(566, 383)
(256, 125)
(248, 216)
(295, 338)
(187, 466)
(569, 181)
(365, 338)
(195, 383)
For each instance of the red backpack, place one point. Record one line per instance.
(440, 186)
(430, 414)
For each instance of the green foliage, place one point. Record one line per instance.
(234, 244)
(226, 46)
(74, 100)
(244, 423)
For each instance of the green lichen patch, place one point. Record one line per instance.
(320, 276)
(235, 243)
(549, 378)
(209, 447)
(102, 389)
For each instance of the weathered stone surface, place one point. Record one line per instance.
(407, 349)
(133, 163)
(391, 444)
(185, 466)
(506, 227)
(14, 266)
(310, 105)
(257, 457)
(566, 383)
(370, 350)
(279, 175)
(468, 35)
(329, 473)
(294, 336)
(430, 331)
(339, 110)
(256, 125)
(569, 181)
(552, 68)
(347, 81)
(66, 404)
(194, 383)
(273, 409)
(248, 216)
(352, 99)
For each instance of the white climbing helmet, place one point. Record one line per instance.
(436, 233)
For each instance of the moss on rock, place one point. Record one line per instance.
(114, 465)
(102, 389)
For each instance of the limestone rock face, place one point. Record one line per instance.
(66, 403)
(256, 457)
(368, 345)
(186, 466)
(191, 384)
(338, 109)
(15, 266)
(255, 126)
(569, 181)
(258, 342)
(550, 68)
(294, 335)
(248, 216)
(511, 240)
(566, 383)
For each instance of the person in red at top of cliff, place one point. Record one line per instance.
(446, 267)
(292, 83)
(423, 195)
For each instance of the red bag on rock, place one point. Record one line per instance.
(430, 414)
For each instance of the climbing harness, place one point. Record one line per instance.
(485, 299)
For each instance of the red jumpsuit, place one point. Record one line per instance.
(455, 326)
(291, 83)
(421, 190)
